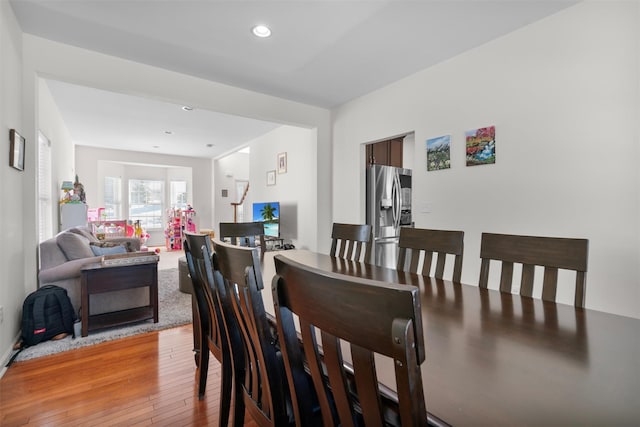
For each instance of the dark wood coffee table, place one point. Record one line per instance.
(98, 278)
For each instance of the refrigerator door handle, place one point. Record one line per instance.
(396, 201)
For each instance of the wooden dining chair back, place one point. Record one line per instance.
(552, 253)
(213, 334)
(351, 241)
(262, 383)
(417, 243)
(371, 318)
(249, 234)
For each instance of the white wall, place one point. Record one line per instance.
(563, 95)
(93, 164)
(15, 194)
(295, 189)
(227, 170)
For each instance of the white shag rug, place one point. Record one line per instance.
(174, 309)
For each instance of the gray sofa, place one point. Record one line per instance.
(63, 256)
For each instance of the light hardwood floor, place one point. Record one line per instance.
(147, 379)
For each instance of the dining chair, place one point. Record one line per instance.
(552, 253)
(260, 377)
(249, 234)
(369, 317)
(348, 240)
(415, 242)
(212, 332)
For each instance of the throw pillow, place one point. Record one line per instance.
(74, 246)
(128, 245)
(107, 248)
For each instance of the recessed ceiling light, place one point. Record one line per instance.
(209, 145)
(261, 31)
(187, 108)
(156, 146)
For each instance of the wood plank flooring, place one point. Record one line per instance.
(144, 380)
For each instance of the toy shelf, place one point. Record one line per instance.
(179, 222)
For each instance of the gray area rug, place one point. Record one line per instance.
(174, 309)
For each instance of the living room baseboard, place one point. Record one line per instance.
(8, 353)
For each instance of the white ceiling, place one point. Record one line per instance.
(322, 53)
(99, 118)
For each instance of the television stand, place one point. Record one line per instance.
(273, 243)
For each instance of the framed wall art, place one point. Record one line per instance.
(282, 163)
(271, 177)
(439, 153)
(481, 146)
(16, 153)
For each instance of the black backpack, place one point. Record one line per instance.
(46, 313)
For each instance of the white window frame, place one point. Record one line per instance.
(175, 194)
(148, 221)
(116, 205)
(45, 189)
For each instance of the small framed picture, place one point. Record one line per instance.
(16, 154)
(271, 178)
(282, 163)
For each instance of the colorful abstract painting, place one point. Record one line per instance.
(439, 153)
(481, 146)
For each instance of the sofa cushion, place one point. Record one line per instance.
(84, 232)
(74, 246)
(107, 248)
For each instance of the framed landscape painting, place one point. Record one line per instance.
(439, 153)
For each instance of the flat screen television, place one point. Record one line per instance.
(269, 214)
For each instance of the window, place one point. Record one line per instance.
(145, 203)
(178, 194)
(112, 198)
(45, 198)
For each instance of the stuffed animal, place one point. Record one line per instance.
(78, 192)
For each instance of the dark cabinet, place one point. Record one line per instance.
(387, 153)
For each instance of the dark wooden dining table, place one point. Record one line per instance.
(494, 358)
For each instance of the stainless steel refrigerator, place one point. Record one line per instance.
(388, 209)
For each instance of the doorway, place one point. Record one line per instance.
(388, 153)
